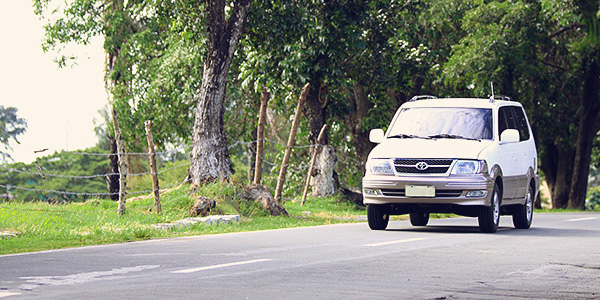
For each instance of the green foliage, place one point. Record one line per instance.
(69, 176)
(11, 126)
(592, 201)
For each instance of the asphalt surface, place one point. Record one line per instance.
(558, 258)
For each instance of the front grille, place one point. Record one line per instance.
(434, 166)
(438, 193)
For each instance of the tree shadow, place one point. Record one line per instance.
(503, 230)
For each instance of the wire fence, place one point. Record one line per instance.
(295, 180)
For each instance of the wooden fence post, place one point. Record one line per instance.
(260, 136)
(290, 144)
(152, 160)
(122, 163)
(312, 162)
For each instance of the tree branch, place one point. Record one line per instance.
(565, 29)
(553, 65)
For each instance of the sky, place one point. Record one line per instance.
(60, 105)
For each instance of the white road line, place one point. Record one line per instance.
(7, 294)
(394, 242)
(186, 271)
(582, 219)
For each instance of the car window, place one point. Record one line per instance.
(513, 117)
(521, 123)
(502, 124)
(443, 122)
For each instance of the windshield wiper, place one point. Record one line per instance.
(407, 136)
(452, 136)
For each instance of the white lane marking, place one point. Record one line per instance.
(33, 282)
(582, 219)
(7, 294)
(394, 242)
(187, 271)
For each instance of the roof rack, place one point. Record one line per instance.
(422, 97)
(500, 97)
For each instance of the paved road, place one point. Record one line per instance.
(558, 258)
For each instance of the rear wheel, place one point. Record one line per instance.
(377, 216)
(419, 219)
(524, 213)
(489, 217)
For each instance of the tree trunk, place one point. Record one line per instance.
(359, 109)
(122, 163)
(323, 183)
(316, 113)
(260, 136)
(590, 107)
(112, 179)
(210, 156)
(557, 165)
(290, 144)
(152, 162)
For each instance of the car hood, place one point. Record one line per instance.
(430, 148)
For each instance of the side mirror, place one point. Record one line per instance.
(509, 136)
(376, 136)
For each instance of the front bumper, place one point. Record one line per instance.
(449, 189)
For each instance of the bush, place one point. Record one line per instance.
(592, 201)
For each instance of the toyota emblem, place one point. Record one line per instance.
(422, 166)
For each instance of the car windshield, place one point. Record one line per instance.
(443, 122)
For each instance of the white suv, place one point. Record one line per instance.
(471, 157)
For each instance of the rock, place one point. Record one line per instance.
(6, 234)
(261, 194)
(202, 207)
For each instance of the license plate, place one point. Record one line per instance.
(420, 191)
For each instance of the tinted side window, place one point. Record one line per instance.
(506, 119)
(521, 123)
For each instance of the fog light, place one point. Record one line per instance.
(370, 192)
(476, 193)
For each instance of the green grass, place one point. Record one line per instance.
(42, 226)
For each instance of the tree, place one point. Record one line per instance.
(292, 43)
(11, 126)
(153, 57)
(541, 57)
(210, 154)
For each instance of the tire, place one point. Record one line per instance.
(377, 216)
(523, 215)
(419, 219)
(489, 217)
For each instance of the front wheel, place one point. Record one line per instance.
(377, 216)
(489, 217)
(524, 213)
(419, 219)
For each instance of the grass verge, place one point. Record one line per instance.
(36, 226)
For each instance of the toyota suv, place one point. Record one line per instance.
(471, 157)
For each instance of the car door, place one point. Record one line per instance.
(508, 157)
(526, 154)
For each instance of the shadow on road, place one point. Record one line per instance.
(503, 230)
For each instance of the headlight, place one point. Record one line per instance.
(379, 166)
(465, 167)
